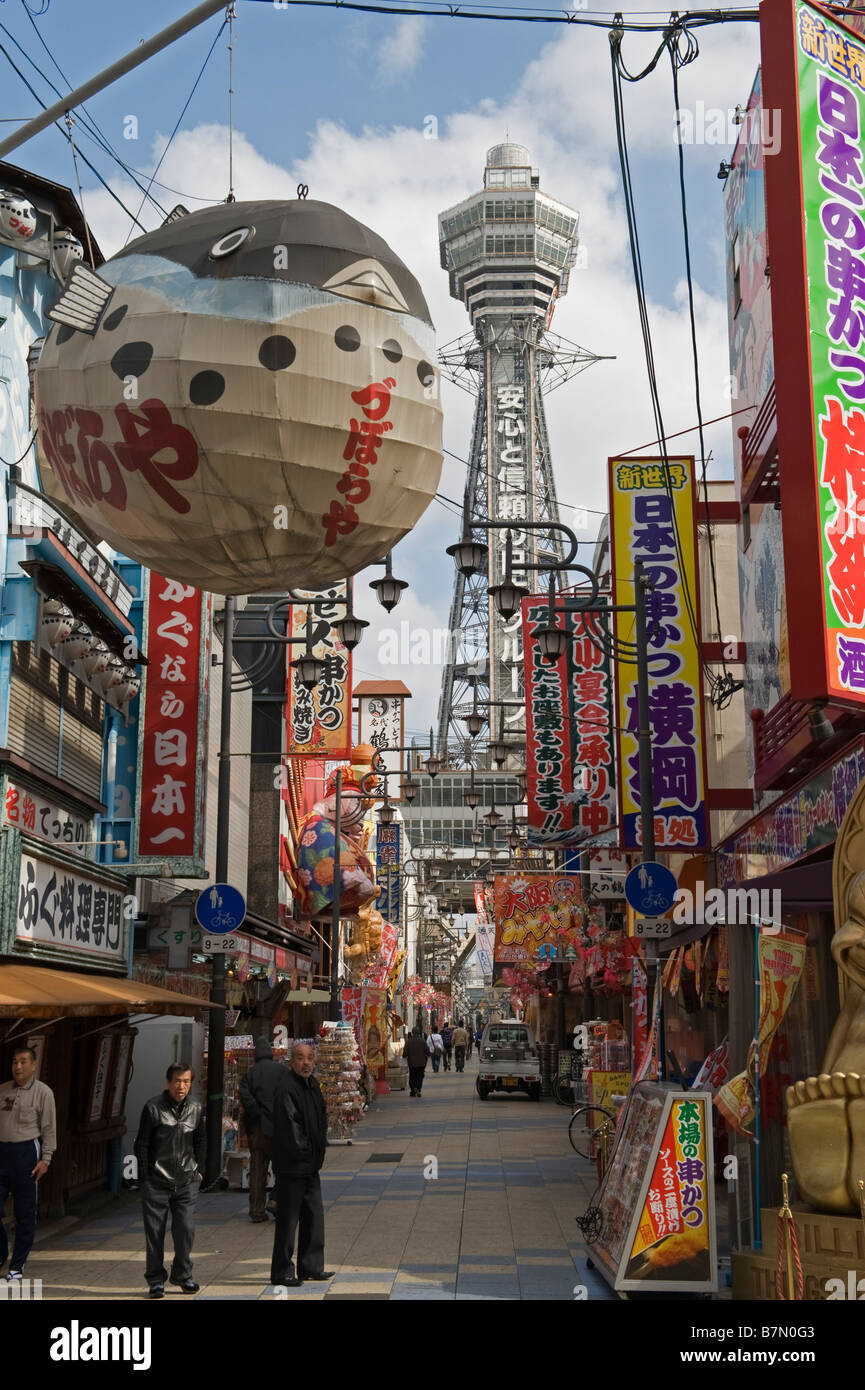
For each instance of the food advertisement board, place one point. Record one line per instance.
(658, 1196)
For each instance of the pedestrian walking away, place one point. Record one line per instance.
(28, 1138)
(257, 1090)
(478, 1035)
(447, 1042)
(299, 1144)
(436, 1049)
(461, 1041)
(416, 1056)
(170, 1147)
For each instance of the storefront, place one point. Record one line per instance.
(79, 1026)
(784, 856)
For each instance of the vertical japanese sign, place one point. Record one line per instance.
(319, 720)
(832, 115)
(172, 774)
(653, 519)
(813, 75)
(380, 722)
(508, 499)
(570, 760)
(387, 862)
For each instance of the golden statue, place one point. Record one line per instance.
(826, 1113)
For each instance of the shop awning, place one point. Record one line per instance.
(30, 991)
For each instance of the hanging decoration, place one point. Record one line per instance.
(244, 399)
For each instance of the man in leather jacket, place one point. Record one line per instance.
(170, 1147)
(299, 1143)
(257, 1090)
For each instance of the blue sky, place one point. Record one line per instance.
(339, 100)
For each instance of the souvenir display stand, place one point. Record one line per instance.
(338, 1071)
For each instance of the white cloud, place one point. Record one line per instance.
(562, 110)
(402, 50)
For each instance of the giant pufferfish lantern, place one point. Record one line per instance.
(244, 399)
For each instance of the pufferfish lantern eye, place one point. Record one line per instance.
(232, 241)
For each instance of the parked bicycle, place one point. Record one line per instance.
(591, 1132)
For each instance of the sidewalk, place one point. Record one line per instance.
(446, 1197)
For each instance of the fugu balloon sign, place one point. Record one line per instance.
(244, 399)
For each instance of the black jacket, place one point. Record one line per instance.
(258, 1088)
(171, 1145)
(299, 1126)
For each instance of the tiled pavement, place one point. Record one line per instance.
(495, 1222)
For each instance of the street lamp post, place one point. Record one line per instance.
(350, 630)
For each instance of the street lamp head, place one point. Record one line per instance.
(498, 751)
(508, 597)
(386, 813)
(409, 790)
(433, 765)
(472, 798)
(552, 642)
(474, 722)
(514, 840)
(470, 556)
(310, 670)
(349, 630)
(477, 836)
(492, 818)
(388, 591)
(448, 852)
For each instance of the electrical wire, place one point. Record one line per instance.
(618, 73)
(677, 60)
(84, 120)
(528, 15)
(57, 126)
(180, 118)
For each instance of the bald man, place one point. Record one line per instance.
(299, 1142)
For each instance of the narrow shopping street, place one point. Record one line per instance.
(496, 1223)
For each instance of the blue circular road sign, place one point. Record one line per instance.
(650, 888)
(220, 908)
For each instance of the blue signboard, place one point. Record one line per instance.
(387, 862)
(220, 908)
(650, 888)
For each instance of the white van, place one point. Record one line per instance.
(509, 1060)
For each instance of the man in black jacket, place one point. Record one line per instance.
(170, 1147)
(257, 1090)
(299, 1142)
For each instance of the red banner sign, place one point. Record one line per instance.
(173, 776)
(319, 720)
(570, 761)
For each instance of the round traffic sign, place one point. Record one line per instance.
(220, 908)
(651, 888)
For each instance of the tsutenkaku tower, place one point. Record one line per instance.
(509, 251)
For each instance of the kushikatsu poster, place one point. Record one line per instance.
(653, 519)
(658, 1196)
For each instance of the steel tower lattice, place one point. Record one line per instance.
(508, 251)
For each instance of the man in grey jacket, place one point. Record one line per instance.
(257, 1090)
(28, 1138)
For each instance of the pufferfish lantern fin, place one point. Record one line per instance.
(83, 302)
(176, 214)
(369, 282)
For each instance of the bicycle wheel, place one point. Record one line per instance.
(586, 1123)
(563, 1090)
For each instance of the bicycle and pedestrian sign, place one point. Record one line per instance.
(220, 909)
(650, 888)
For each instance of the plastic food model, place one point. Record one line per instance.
(244, 399)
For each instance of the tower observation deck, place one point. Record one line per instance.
(509, 251)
